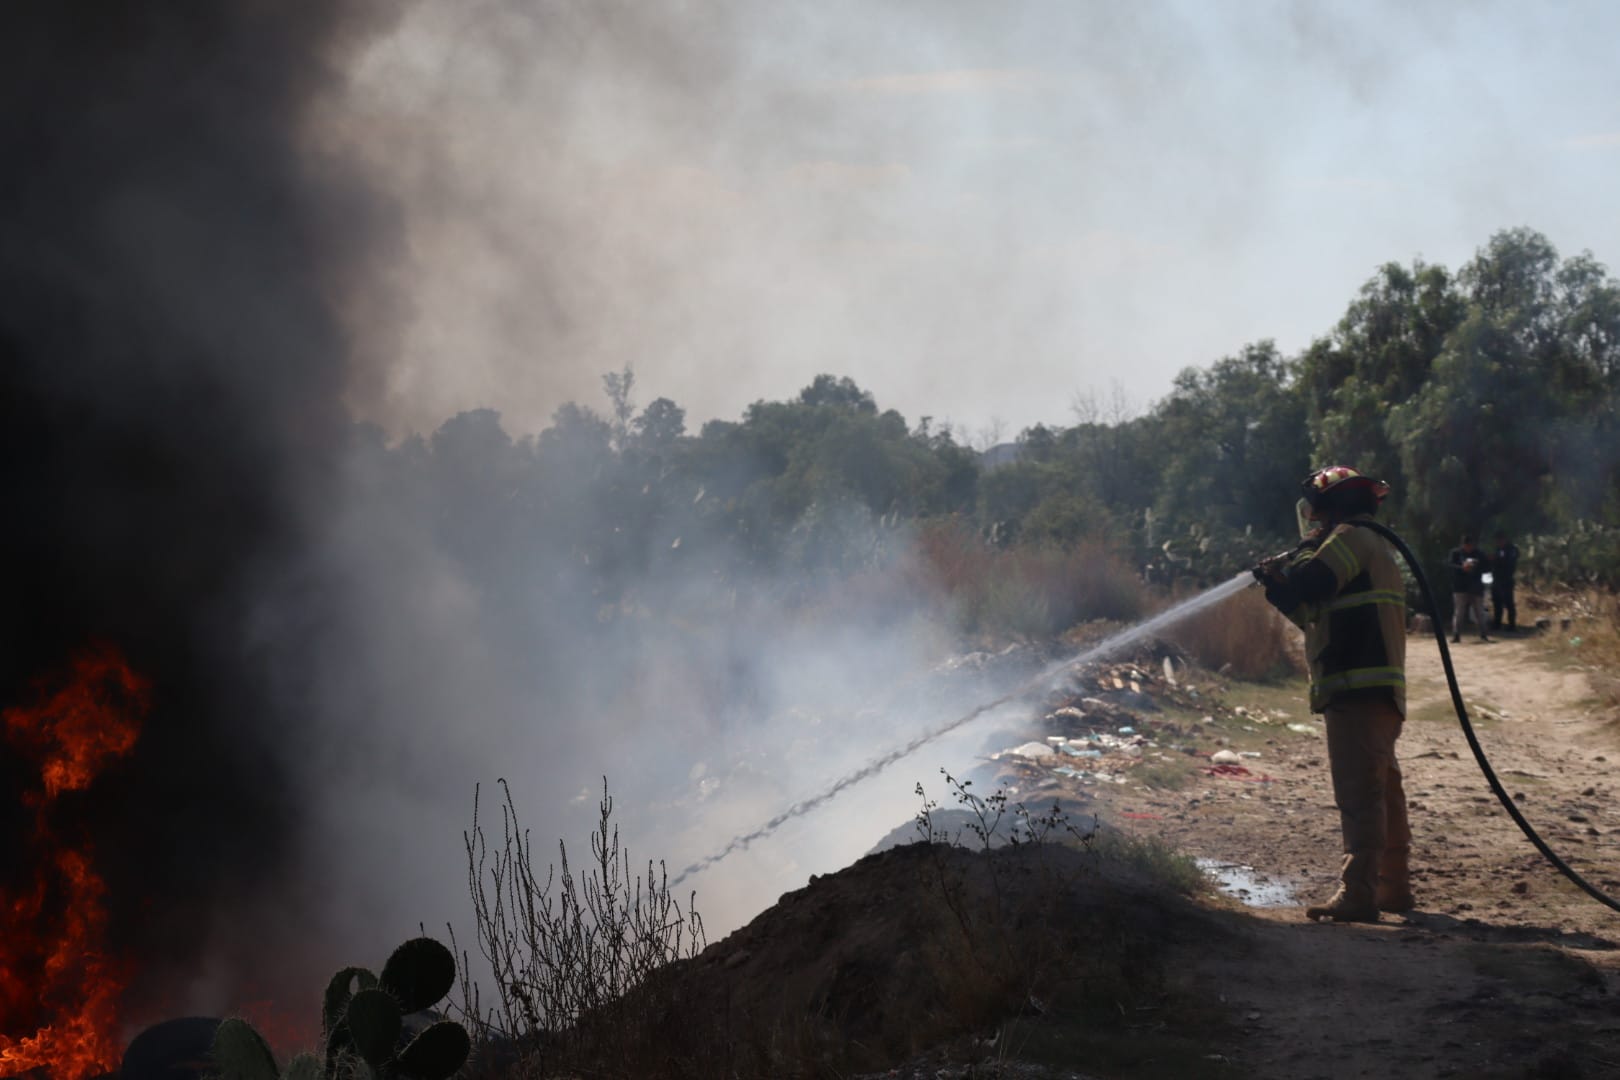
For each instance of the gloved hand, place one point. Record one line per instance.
(1269, 571)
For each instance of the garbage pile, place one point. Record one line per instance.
(1112, 722)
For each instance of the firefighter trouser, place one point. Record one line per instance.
(1361, 738)
(1502, 602)
(1473, 606)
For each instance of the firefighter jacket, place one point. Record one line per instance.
(1346, 592)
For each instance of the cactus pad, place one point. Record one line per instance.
(374, 1023)
(436, 1053)
(241, 1053)
(420, 972)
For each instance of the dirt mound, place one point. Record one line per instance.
(928, 945)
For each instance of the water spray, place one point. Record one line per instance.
(1108, 646)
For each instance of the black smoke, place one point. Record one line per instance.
(176, 258)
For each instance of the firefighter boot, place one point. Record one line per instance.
(1394, 884)
(1356, 898)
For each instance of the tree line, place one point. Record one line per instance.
(1486, 396)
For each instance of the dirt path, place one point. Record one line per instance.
(1506, 969)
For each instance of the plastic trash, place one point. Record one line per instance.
(1028, 750)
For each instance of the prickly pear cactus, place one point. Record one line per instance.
(437, 1052)
(420, 972)
(375, 1024)
(338, 991)
(364, 1019)
(368, 1022)
(240, 1053)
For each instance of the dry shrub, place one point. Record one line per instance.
(1244, 636)
(1597, 614)
(578, 959)
(1029, 590)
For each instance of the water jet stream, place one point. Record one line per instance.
(1129, 636)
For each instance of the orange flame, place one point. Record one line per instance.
(54, 976)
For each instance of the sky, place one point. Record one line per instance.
(983, 213)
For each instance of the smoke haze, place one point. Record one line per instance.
(199, 264)
(231, 231)
(1036, 199)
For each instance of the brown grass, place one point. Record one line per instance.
(1244, 636)
(1597, 627)
(1027, 590)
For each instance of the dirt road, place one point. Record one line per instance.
(1506, 969)
(1539, 726)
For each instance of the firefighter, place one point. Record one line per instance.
(1344, 589)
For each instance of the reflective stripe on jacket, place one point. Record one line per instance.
(1355, 625)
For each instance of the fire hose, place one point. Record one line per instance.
(1468, 729)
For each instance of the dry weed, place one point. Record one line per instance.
(1031, 591)
(1243, 636)
(579, 959)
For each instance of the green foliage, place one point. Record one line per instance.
(1588, 552)
(1488, 396)
(1239, 443)
(363, 1017)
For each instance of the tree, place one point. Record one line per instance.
(1378, 356)
(660, 424)
(838, 392)
(618, 385)
(1236, 442)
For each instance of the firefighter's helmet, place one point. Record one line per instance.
(1339, 487)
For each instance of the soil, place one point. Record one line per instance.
(1504, 970)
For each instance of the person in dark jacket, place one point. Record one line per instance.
(1344, 589)
(1504, 561)
(1468, 566)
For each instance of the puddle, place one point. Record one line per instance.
(1247, 884)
